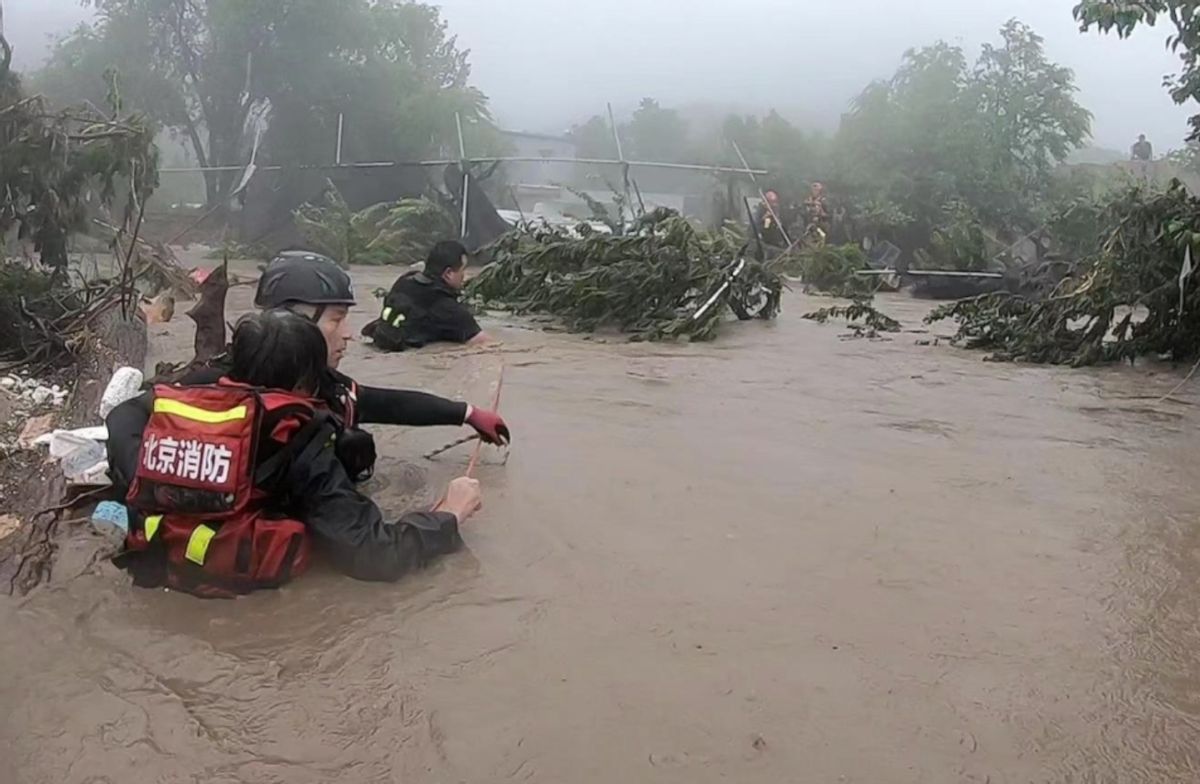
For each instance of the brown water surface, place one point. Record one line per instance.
(782, 556)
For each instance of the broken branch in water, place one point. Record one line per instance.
(864, 319)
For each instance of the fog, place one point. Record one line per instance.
(549, 63)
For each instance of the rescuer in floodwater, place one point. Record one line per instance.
(768, 216)
(315, 288)
(425, 307)
(239, 480)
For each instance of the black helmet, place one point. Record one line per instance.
(304, 277)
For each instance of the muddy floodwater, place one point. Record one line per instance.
(780, 557)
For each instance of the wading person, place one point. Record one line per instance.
(1143, 150)
(768, 216)
(237, 481)
(317, 289)
(1142, 155)
(425, 307)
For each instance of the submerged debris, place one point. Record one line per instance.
(832, 270)
(861, 316)
(655, 283)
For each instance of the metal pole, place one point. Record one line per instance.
(746, 168)
(612, 120)
(512, 191)
(446, 162)
(613, 124)
(462, 152)
(341, 124)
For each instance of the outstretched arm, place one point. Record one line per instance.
(419, 409)
(407, 407)
(351, 530)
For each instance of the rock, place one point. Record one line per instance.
(8, 526)
(9, 382)
(41, 395)
(159, 310)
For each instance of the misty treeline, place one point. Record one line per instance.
(949, 158)
(206, 71)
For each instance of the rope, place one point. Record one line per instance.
(495, 409)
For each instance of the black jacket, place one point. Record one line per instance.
(345, 524)
(350, 529)
(419, 311)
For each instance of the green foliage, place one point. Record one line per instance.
(1124, 17)
(650, 284)
(942, 141)
(831, 270)
(860, 315)
(56, 166)
(204, 69)
(387, 233)
(957, 242)
(1123, 303)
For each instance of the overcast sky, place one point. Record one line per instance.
(548, 63)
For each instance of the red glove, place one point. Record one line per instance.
(490, 426)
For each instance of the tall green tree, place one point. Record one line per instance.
(944, 148)
(1125, 17)
(1030, 118)
(204, 68)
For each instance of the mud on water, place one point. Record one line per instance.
(780, 557)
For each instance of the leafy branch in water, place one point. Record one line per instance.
(832, 270)
(860, 315)
(1128, 300)
(387, 233)
(651, 283)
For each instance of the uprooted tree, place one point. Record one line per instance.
(663, 280)
(57, 169)
(1134, 295)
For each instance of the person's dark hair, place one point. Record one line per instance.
(278, 349)
(446, 255)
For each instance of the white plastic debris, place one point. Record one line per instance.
(78, 457)
(67, 437)
(95, 476)
(125, 384)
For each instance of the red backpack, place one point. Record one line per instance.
(201, 486)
